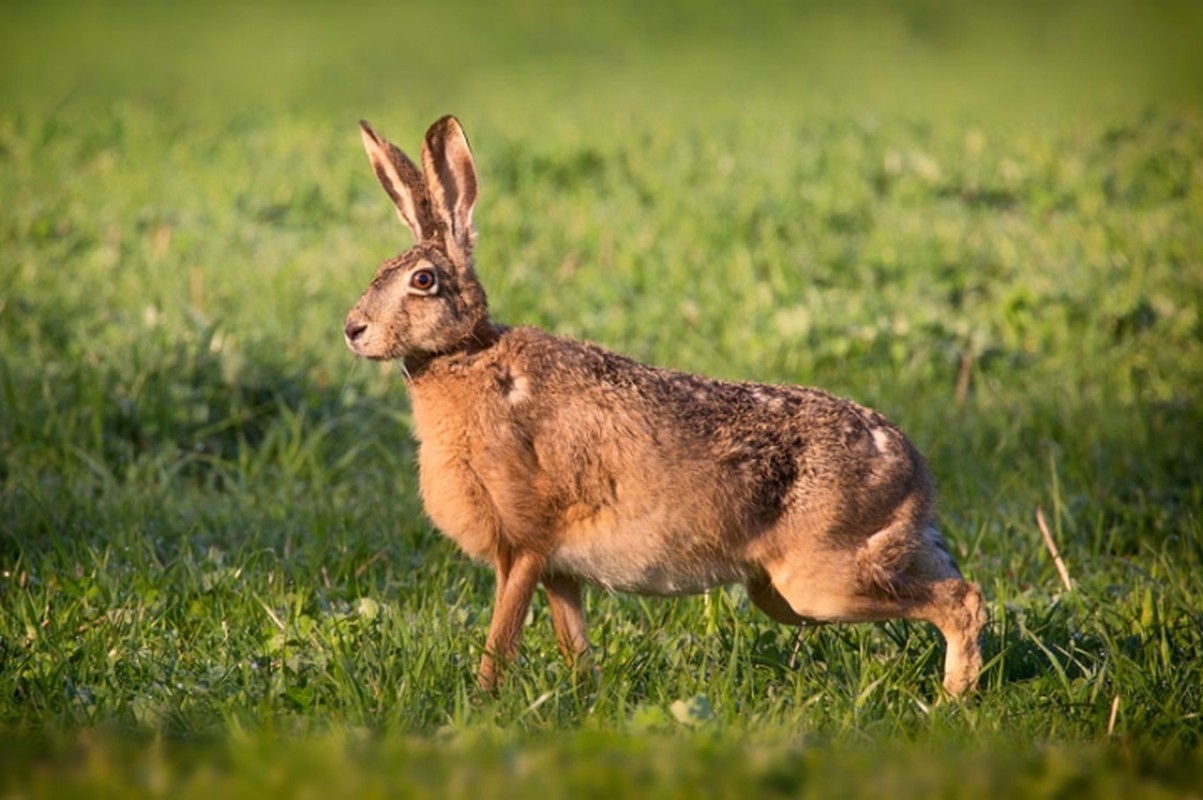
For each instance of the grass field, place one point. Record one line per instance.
(215, 575)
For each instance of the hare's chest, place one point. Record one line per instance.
(455, 500)
(453, 495)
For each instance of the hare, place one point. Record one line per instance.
(559, 462)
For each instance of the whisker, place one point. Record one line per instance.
(342, 392)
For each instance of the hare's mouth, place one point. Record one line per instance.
(357, 335)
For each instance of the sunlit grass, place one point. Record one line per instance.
(215, 575)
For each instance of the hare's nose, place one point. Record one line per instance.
(354, 329)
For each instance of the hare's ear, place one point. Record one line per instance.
(451, 180)
(401, 179)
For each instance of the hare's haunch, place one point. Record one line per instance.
(558, 462)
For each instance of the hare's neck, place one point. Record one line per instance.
(418, 367)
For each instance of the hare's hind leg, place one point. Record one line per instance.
(895, 575)
(921, 573)
(934, 590)
(953, 605)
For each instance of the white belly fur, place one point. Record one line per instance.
(642, 556)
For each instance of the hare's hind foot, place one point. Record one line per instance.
(958, 610)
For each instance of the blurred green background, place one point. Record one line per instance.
(534, 62)
(985, 219)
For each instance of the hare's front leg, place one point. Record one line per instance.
(517, 576)
(568, 618)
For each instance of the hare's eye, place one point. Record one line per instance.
(424, 281)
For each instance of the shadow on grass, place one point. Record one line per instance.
(180, 424)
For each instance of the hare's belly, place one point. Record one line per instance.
(645, 556)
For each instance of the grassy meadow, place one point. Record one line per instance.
(215, 575)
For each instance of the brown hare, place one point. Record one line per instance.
(559, 462)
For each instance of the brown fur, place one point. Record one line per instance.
(556, 461)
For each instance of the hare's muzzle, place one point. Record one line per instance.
(354, 329)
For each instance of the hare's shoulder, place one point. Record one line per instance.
(556, 359)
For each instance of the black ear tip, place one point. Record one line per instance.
(445, 125)
(366, 128)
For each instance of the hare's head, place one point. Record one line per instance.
(426, 301)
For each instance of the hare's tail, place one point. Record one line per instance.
(882, 561)
(898, 556)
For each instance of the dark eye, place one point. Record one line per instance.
(424, 281)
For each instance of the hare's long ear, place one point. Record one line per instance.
(451, 180)
(401, 179)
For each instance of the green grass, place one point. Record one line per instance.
(215, 575)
